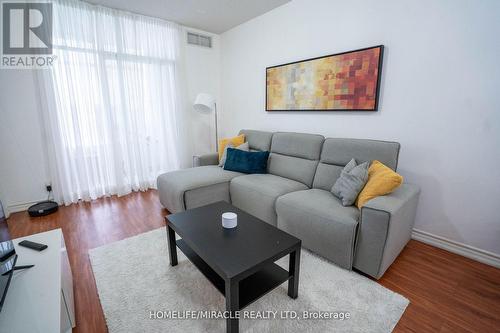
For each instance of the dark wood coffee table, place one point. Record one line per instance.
(240, 261)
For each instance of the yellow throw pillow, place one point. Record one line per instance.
(381, 181)
(236, 141)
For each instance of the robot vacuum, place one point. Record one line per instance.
(43, 208)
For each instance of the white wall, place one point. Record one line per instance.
(203, 76)
(23, 171)
(439, 95)
(23, 168)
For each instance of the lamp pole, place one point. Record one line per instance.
(216, 132)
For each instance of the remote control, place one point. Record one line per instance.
(33, 245)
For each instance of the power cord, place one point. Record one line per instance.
(49, 190)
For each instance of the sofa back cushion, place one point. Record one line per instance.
(295, 156)
(336, 153)
(258, 140)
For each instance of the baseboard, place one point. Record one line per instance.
(21, 207)
(468, 251)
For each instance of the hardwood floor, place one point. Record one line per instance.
(447, 292)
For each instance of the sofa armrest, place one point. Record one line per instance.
(384, 229)
(206, 159)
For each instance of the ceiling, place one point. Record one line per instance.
(214, 16)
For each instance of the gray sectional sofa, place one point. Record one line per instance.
(295, 196)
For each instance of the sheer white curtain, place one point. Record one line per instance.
(113, 103)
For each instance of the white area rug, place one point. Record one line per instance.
(133, 278)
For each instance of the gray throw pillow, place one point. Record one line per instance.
(244, 146)
(351, 181)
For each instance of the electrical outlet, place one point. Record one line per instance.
(48, 188)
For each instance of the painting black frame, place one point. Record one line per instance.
(377, 89)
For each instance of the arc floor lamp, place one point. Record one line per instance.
(205, 103)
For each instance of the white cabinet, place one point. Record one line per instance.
(40, 299)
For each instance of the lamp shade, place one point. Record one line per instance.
(204, 102)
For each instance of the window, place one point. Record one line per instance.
(113, 122)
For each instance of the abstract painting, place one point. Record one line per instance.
(347, 81)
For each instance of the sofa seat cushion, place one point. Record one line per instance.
(257, 193)
(189, 188)
(318, 218)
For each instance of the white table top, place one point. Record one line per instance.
(33, 299)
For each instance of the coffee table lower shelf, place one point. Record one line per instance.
(251, 288)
